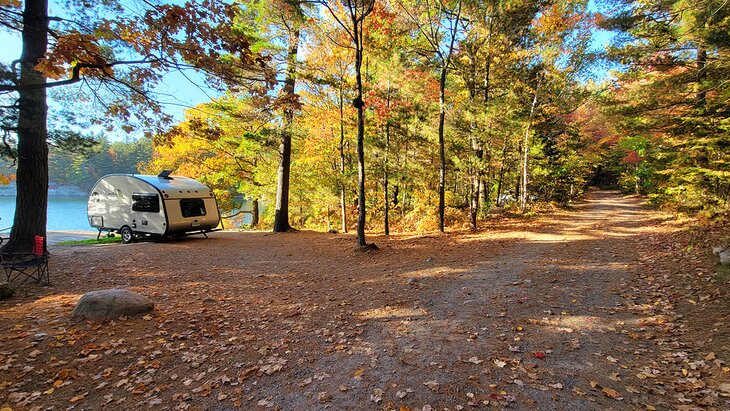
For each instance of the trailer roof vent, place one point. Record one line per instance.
(165, 174)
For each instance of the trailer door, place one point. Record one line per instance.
(146, 214)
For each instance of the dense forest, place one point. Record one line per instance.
(408, 114)
(101, 157)
(497, 97)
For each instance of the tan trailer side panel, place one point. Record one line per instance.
(178, 223)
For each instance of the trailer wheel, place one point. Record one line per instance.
(127, 235)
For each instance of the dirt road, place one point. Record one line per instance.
(528, 314)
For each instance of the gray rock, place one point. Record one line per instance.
(5, 291)
(725, 257)
(723, 252)
(110, 305)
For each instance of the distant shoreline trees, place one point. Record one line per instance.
(82, 169)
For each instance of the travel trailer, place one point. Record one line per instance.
(161, 206)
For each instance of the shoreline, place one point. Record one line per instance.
(57, 236)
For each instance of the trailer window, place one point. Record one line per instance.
(149, 203)
(192, 207)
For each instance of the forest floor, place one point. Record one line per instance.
(605, 306)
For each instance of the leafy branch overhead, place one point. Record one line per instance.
(128, 48)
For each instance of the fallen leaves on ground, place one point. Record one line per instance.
(491, 321)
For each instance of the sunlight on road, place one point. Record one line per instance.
(392, 312)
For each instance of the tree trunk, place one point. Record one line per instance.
(480, 192)
(446, 60)
(701, 95)
(523, 184)
(327, 219)
(358, 103)
(486, 186)
(473, 191)
(502, 169)
(476, 183)
(403, 200)
(518, 181)
(484, 192)
(255, 213)
(386, 201)
(498, 201)
(404, 181)
(526, 149)
(487, 72)
(31, 202)
(281, 217)
(343, 186)
(442, 151)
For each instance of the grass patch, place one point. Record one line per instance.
(723, 274)
(92, 241)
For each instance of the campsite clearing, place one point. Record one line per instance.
(604, 306)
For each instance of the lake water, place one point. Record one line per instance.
(64, 213)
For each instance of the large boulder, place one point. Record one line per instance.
(110, 305)
(5, 291)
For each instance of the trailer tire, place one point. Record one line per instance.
(127, 235)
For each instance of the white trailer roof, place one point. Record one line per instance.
(176, 186)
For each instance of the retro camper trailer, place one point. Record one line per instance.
(159, 206)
